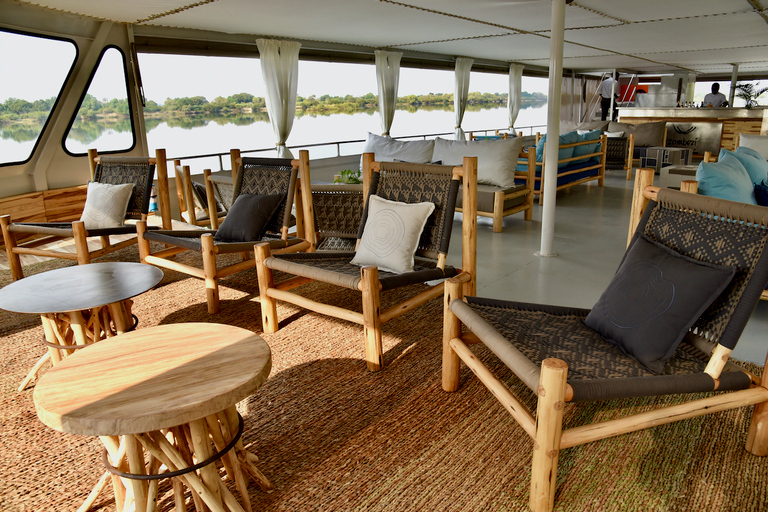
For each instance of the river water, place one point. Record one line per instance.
(185, 136)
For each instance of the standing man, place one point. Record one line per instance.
(606, 92)
(715, 98)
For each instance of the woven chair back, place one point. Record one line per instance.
(338, 210)
(135, 170)
(415, 183)
(267, 176)
(720, 232)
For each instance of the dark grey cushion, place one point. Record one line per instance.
(248, 218)
(654, 299)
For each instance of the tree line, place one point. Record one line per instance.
(14, 109)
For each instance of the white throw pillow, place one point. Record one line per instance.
(614, 134)
(391, 235)
(105, 205)
(496, 159)
(389, 150)
(757, 142)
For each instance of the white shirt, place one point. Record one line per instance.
(606, 88)
(716, 99)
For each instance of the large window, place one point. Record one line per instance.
(103, 120)
(33, 71)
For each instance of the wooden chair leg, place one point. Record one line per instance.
(549, 427)
(209, 269)
(143, 243)
(498, 211)
(757, 437)
(371, 319)
(9, 239)
(264, 274)
(451, 329)
(81, 242)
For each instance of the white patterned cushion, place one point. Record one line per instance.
(105, 205)
(391, 234)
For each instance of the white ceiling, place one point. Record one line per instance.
(645, 36)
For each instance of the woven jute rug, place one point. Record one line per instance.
(333, 437)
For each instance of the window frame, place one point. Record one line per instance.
(59, 95)
(85, 93)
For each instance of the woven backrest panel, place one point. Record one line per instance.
(338, 209)
(720, 232)
(415, 183)
(266, 176)
(224, 192)
(135, 170)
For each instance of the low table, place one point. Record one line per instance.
(79, 305)
(162, 396)
(658, 157)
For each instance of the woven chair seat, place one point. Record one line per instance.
(335, 268)
(191, 239)
(65, 229)
(532, 333)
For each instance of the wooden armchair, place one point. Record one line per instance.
(413, 184)
(138, 171)
(562, 359)
(256, 177)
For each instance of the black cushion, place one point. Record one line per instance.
(248, 218)
(761, 193)
(654, 299)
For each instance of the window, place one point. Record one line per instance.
(103, 120)
(28, 93)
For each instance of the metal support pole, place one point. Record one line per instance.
(734, 77)
(553, 128)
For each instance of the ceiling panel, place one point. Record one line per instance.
(644, 10)
(124, 12)
(362, 22)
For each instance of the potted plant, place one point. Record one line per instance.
(749, 93)
(349, 177)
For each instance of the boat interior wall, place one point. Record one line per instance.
(50, 165)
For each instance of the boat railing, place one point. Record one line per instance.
(336, 145)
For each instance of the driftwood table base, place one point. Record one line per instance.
(188, 454)
(67, 332)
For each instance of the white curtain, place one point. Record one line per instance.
(515, 89)
(387, 78)
(463, 66)
(280, 69)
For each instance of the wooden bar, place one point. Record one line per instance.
(451, 330)
(267, 294)
(319, 307)
(733, 400)
(469, 225)
(411, 303)
(515, 408)
(371, 288)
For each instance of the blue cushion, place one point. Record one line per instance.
(587, 148)
(753, 162)
(566, 138)
(726, 179)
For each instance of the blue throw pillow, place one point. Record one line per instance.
(756, 165)
(726, 179)
(653, 300)
(753, 162)
(566, 138)
(586, 149)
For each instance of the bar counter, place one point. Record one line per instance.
(734, 120)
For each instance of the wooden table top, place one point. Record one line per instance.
(79, 287)
(152, 378)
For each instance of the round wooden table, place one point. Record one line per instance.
(163, 396)
(79, 305)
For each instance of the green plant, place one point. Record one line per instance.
(749, 93)
(349, 176)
